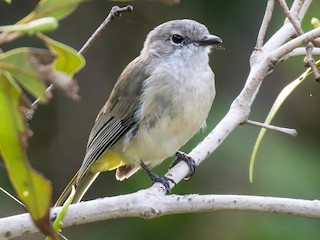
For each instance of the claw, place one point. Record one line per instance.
(181, 156)
(155, 178)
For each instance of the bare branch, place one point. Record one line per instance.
(310, 61)
(36, 103)
(291, 18)
(289, 131)
(296, 24)
(295, 43)
(296, 7)
(264, 25)
(304, 6)
(299, 7)
(113, 14)
(301, 51)
(149, 204)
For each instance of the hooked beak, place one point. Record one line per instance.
(210, 40)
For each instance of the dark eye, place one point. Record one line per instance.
(177, 39)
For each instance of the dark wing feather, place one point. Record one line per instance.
(117, 116)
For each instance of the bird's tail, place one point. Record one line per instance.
(81, 188)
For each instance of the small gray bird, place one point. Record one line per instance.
(161, 99)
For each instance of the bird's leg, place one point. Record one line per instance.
(155, 178)
(181, 156)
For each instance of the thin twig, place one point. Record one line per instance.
(11, 196)
(289, 16)
(264, 25)
(113, 14)
(35, 104)
(299, 52)
(300, 7)
(310, 61)
(289, 131)
(286, 48)
(304, 7)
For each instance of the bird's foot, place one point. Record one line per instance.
(181, 156)
(155, 178)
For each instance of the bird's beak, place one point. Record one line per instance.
(209, 40)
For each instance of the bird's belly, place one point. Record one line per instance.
(154, 144)
(169, 116)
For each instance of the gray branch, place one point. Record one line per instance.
(151, 203)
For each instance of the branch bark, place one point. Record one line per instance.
(300, 52)
(149, 204)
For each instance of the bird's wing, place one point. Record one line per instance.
(117, 116)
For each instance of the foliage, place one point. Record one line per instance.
(31, 70)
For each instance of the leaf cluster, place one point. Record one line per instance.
(24, 72)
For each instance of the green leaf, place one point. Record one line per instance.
(283, 95)
(39, 25)
(58, 9)
(23, 64)
(34, 67)
(32, 189)
(68, 60)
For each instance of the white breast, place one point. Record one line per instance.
(175, 105)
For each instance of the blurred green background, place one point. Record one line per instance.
(285, 167)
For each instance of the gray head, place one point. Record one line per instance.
(176, 35)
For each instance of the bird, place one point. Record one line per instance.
(159, 102)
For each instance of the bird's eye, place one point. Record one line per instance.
(177, 39)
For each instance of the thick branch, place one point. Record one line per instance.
(149, 204)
